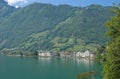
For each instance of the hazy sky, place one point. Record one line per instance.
(58, 2)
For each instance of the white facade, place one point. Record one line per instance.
(45, 54)
(87, 53)
(84, 54)
(80, 54)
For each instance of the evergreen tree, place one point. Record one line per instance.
(112, 64)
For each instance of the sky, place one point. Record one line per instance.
(80, 3)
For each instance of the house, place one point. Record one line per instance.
(79, 54)
(85, 54)
(45, 54)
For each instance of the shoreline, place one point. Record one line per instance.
(82, 58)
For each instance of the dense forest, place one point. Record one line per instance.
(111, 67)
(54, 28)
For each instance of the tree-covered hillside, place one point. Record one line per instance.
(5, 12)
(5, 9)
(55, 28)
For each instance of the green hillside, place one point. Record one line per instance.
(54, 28)
(5, 9)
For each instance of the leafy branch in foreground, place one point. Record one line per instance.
(86, 75)
(112, 64)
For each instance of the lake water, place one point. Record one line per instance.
(45, 68)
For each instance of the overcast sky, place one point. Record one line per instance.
(80, 3)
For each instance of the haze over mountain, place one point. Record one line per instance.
(5, 9)
(80, 3)
(55, 28)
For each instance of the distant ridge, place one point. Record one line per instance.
(55, 28)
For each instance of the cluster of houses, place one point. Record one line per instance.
(45, 54)
(85, 54)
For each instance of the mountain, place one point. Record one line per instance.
(5, 9)
(55, 28)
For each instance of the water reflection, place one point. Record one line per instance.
(44, 59)
(45, 68)
(86, 62)
(55, 63)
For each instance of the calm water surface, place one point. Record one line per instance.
(45, 68)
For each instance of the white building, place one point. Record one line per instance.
(85, 54)
(79, 54)
(45, 54)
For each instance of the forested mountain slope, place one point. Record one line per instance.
(5, 9)
(55, 28)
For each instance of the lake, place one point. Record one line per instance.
(45, 68)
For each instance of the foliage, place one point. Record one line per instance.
(86, 75)
(101, 53)
(55, 28)
(112, 64)
(5, 9)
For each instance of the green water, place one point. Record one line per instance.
(45, 68)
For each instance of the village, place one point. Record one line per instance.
(64, 54)
(86, 54)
